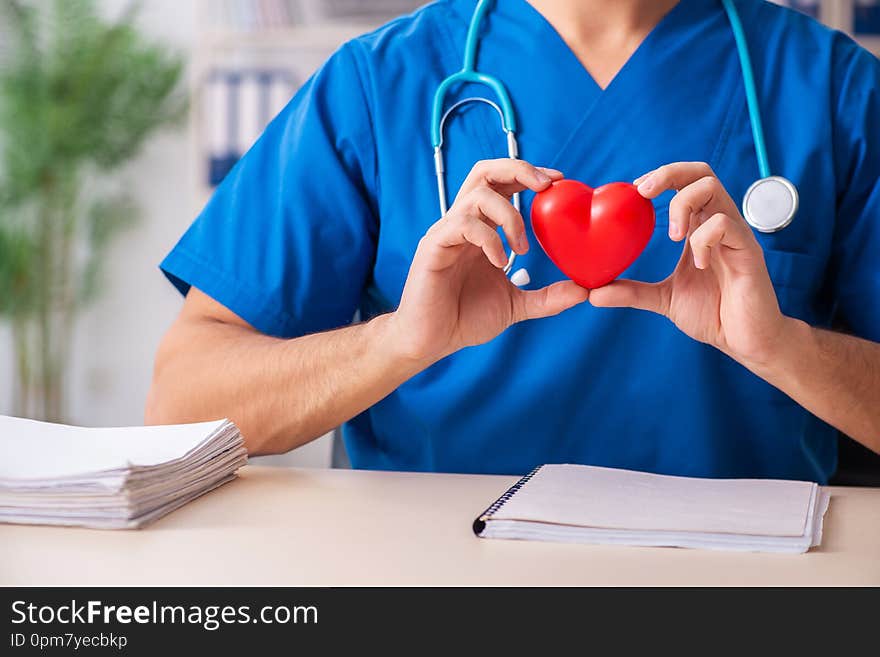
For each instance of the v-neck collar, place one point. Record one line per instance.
(551, 36)
(524, 11)
(583, 96)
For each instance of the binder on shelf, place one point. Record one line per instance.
(239, 103)
(866, 18)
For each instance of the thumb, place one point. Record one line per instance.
(631, 294)
(550, 300)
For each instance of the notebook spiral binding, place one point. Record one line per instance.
(480, 522)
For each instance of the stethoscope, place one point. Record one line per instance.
(769, 204)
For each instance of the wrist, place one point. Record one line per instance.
(782, 362)
(390, 345)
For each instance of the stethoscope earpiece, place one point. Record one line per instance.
(521, 278)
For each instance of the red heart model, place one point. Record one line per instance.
(592, 235)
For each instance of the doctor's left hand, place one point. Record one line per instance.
(720, 293)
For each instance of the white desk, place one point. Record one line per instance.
(278, 526)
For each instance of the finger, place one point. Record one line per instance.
(672, 176)
(632, 294)
(495, 208)
(507, 176)
(719, 230)
(555, 174)
(638, 181)
(459, 229)
(697, 200)
(550, 300)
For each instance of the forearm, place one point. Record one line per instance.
(281, 393)
(834, 376)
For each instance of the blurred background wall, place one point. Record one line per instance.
(116, 337)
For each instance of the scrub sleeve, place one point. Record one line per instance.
(289, 237)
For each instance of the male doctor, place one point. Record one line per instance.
(726, 367)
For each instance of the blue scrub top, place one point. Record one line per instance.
(322, 218)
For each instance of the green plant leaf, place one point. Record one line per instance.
(79, 95)
(105, 220)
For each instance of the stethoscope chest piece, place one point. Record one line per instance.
(770, 204)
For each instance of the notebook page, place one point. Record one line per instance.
(607, 498)
(37, 450)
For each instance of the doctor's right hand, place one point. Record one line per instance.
(456, 294)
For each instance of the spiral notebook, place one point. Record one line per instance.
(588, 504)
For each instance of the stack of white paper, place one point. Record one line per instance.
(585, 504)
(110, 478)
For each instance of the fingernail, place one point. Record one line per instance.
(638, 181)
(542, 177)
(550, 172)
(646, 185)
(522, 243)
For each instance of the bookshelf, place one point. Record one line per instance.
(274, 39)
